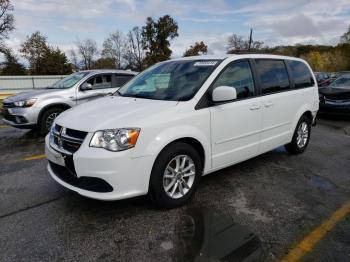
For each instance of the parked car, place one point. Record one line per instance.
(179, 120)
(323, 78)
(39, 108)
(335, 99)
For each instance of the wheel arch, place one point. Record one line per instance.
(47, 107)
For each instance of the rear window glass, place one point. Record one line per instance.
(301, 74)
(273, 75)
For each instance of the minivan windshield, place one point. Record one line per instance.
(173, 80)
(69, 81)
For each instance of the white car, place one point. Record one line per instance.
(179, 120)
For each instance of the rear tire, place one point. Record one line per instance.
(175, 175)
(301, 136)
(48, 118)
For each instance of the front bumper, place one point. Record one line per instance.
(21, 117)
(127, 176)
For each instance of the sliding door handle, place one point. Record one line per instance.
(255, 107)
(268, 104)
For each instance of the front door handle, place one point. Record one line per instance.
(268, 104)
(255, 107)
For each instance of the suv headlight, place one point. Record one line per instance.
(25, 103)
(115, 139)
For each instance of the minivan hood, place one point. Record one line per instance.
(111, 112)
(29, 94)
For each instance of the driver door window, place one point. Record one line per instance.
(239, 76)
(101, 81)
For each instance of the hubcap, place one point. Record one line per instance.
(179, 176)
(303, 134)
(50, 119)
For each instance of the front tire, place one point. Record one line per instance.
(175, 175)
(48, 118)
(301, 136)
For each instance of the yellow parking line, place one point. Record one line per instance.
(4, 126)
(34, 157)
(309, 242)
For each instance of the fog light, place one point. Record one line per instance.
(18, 119)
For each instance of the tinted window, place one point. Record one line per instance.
(120, 80)
(273, 75)
(239, 76)
(177, 80)
(101, 82)
(301, 74)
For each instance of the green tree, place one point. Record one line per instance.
(199, 48)
(104, 63)
(11, 66)
(156, 38)
(33, 49)
(42, 58)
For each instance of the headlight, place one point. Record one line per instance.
(25, 103)
(115, 139)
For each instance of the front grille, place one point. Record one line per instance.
(66, 140)
(93, 184)
(8, 105)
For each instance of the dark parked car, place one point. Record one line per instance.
(335, 98)
(323, 78)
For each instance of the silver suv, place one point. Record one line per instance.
(39, 108)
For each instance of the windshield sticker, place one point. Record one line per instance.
(206, 63)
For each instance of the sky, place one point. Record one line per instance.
(212, 21)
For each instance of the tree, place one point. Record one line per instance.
(156, 38)
(315, 60)
(42, 58)
(11, 66)
(345, 38)
(104, 63)
(33, 49)
(55, 62)
(134, 53)
(73, 57)
(7, 19)
(237, 44)
(87, 49)
(113, 48)
(199, 48)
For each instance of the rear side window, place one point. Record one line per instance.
(120, 80)
(239, 76)
(301, 74)
(273, 75)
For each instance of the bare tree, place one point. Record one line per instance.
(237, 44)
(135, 53)
(73, 57)
(7, 19)
(87, 49)
(113, 48)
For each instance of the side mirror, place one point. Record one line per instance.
(224, 93)
(85, 86)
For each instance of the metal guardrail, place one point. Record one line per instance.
(14, 84)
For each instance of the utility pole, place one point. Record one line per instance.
(250, 39)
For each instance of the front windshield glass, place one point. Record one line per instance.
(174, 80)
(342, 81)
(69, 81)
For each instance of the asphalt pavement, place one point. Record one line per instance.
(258, 210)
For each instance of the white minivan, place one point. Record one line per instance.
(179, 120)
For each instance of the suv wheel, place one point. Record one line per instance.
(301, 136)
(175, 175)
(48, 118)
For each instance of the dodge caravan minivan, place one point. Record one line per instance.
(179, 120)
